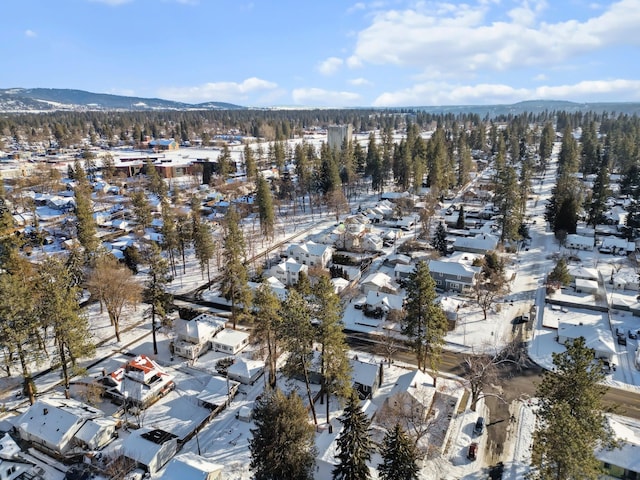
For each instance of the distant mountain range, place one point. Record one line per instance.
(53, 99)
(14, 100)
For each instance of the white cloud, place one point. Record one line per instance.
(354, 62)
(441, 93)
(112, 3)
(218, 91)
(360, 82)
(464, 40)
(541, 77)
(356, 6)
(330, 65)
(319, 96)
(30, 34)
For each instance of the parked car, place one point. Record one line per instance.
(622, 339)
(473, 451)
(633, 335)
(479, 427)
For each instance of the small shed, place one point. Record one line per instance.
(245, 413)
(217, 392)
(246, 371)
(365, 377)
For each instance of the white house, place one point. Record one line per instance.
(481, 243)
(12, 466)
(622, 462)
(371, 242)
(245, 371)
(140, 381)
(586, 286)
(96, 433)
(230, 341)
(577, 272)
(311, 254)
(150, 449)
(288, 272)
(189, 466)
(617, 246)
(597, 338)
(377, 282)
(625, 279)
(578, 242)
(52, 427)
(193, 337)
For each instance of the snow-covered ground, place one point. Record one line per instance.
(225, 439)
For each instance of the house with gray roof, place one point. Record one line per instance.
(452, 276)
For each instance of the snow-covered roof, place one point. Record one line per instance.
(599, 339)
(230, 337)
(628, 455)
(203, 327)
(387, 301)
(452, 268)
(483, 242)
(364, 373)
(578, 271)
(217, 390)
(92, 429)
(243, 368)
(189, 466)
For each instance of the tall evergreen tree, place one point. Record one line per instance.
(203, 245)
(425, 323)
(267, 327)
(439, 241)
(86, 225)
(235, 276)
(335, 368)
(546, 142)
(571, 419)
(155, 293)
(58, 308)
(282, 444)
(373, 165)
(250, 166)
(18, 331)
(354, 443)
(399, 456)
(298, 336)
(599, 196)
(266, 213)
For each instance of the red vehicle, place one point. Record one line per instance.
(473, 451)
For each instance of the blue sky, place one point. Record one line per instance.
(327, 52)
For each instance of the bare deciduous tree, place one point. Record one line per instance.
(114, 285)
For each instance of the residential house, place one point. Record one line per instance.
(151, 449)
(19, 469)
(625, 279)
(378, 282)
(616, 246)
(622, 462)
(96, 433)
(578, 242)
(230, 341)
(139, 382)
(378, 304)
(451, 276)
(193, 337)
(189, 466)
(288, 272)
(481, 243)
(597, 338)
(311, 254)
(51, 427)
(416, 402)
(371, 242)
(586, 286)
(578, 272)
